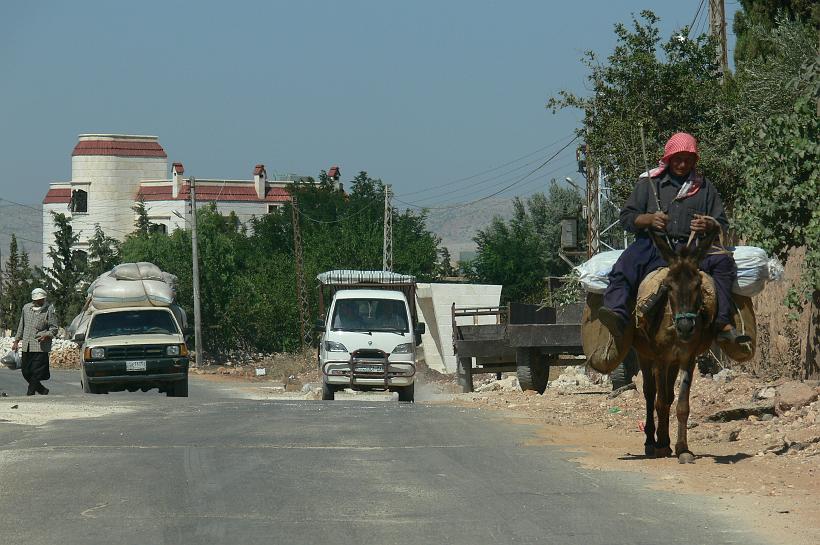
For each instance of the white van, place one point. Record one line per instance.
(370, 333)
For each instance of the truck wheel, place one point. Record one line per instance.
(622, 375)
(88, 388)
(407, 393)
(328, 392)
(178, 389)
(465, 374)
(532, 370)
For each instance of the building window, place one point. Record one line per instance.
(158, 228)
(80, 258)
(79, 201)
(273, 208)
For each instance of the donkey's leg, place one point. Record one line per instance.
(682, 451)
(649, 397)
(666, 394)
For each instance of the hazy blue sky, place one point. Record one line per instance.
(417, 93)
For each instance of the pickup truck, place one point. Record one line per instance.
(133, 348)
(369, 333)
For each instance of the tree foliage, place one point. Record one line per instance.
(17, 283)
(767, 15)
(520, 253)
(103, 253)
(65, 278)
(666, 87)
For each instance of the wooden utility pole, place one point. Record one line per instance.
(387, 248)
(301, 288)
(717, 28)
(200, 344)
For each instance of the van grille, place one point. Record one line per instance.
(135, 352)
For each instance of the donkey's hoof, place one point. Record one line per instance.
(686, 457)
(663, 452)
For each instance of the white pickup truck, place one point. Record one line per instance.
(369, 333)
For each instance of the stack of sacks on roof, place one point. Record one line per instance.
(129, 285)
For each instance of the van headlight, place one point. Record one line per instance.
(404, 348)
(98, 353)
(172, 350)
(333, 346)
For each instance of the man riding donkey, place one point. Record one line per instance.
(676, 214)
(688, 203)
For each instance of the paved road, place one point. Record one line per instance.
(219, 468)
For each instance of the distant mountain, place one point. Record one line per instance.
(27, 224)
(458, 226)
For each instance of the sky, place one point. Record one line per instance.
(421, 94)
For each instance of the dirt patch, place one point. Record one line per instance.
(763, 469)
(40, 412)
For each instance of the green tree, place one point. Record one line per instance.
(520, 253)
(17, 282)
(142, 224)
(67, 272)
(103, 253)
(757, 15)
(666, 87)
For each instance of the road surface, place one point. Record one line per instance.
(220, 467)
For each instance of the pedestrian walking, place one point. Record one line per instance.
(37, 328)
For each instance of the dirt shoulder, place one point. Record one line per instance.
(763, 469)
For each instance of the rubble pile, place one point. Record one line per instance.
(730, 409)
(64, 354)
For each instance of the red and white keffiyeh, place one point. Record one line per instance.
(679, 142)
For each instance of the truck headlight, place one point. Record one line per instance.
(172, 350)
(98, 353)
(333, 346)
(404, 348)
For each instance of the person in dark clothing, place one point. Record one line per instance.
(37, 328)
(688, 203)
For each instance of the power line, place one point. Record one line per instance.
(498, 181)
(695, 18)
(338, 220)
(503, 189)
(445, 184)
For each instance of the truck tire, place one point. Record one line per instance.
(88, 388)
(465, 374)
(623, 374)
(178, 389)
(532, 370)
(407, 393)
(328, 392)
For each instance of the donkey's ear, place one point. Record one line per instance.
(663, 246)
(704, 245)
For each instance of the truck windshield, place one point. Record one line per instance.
(133, 322)
(370, 315)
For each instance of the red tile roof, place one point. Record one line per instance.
(62, 195)
(259, 169)
(214, 193)
(178, 168)
(333, 172)
(119, 148)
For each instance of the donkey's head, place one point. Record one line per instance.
(683, 283)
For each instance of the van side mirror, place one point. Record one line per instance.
(79, 338)
(319, 326)
(420, 328)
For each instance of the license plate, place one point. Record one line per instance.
(370, 369)
(138, 365)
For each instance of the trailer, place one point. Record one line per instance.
(525, 339)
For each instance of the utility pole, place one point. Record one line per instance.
(200, 344)
(717, 29)
(301, 289)
(387, 250)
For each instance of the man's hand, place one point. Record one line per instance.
(702, 224)
(15, 345)
(656, 221)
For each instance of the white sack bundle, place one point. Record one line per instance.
(754, 269)
(141, 293)
(137, 271)
(592, 273)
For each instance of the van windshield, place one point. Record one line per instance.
(370, 315)
(133, 322)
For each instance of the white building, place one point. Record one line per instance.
(111, 172)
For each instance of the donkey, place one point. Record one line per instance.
(680, 329)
